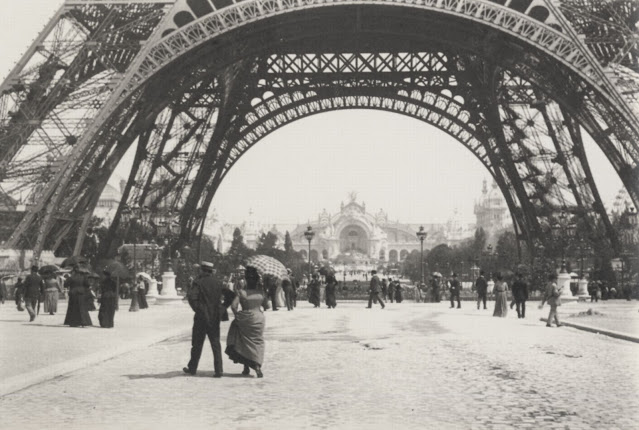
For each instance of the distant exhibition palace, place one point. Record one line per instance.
(356, 232)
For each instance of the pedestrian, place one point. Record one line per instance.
(52, 291)
(391, 291)
(208, 298)
(552, 295)
(133, 292)
(399, 296)
(33, 291)
(500, 290)
(314, 291)
(272, 291)
(481, 286)
(78, 286)
(245, 340)
(455, 291)
(108, 301)
(287, 286)
(3, 291)
(593, 290)
(434, 289)
(520, 295)
(296, 285)
(124, 290)
(385, 284)
(331, 286)
(143, 289)
(374, 290)
(18, 294)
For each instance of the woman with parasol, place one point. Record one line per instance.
(245, 340)
(78, 287)
(52, 288)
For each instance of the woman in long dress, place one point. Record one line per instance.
(78, 286)
(331, 286)
(51, 292)
(245, 341)
(108, 301)
(500, 290)
(399, 297)
(135, 304)
(142, 289)
(314, 291)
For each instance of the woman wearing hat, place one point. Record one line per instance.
(78, 287)
(500, 290)
(51, 291)
(245, 341)
(108, 301)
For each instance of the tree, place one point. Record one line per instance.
(288, 243)
(439, 259)
(266, 243)
(507, 252)
(479, 242)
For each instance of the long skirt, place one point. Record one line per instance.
(314, 297)
(331, 300)
(90, 302)
(280, 298)
(398, 296)
(51, 301)
(77, 312)
(135, 306)
(107, 311)
(142, 300)
(501, 305)
(245, 341)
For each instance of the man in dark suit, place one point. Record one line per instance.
(33, 290)
(209, 299)
(482, 289)
(375, 287)
(455, 290)
(287, 286)
(520, 294)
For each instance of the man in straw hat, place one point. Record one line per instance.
(209, 299)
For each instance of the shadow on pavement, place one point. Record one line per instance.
(181, 374)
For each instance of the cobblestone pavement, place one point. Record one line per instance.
(408, 366)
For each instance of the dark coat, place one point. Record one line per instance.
(481, 285)
(455, 286)
(205, 298)
(520, 290)
(33, 286)
(375, 284)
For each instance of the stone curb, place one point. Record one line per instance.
(615, 334)
(20, 382)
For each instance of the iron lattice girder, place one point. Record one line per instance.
(62, 81)
(225, 140)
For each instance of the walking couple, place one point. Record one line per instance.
(245, 341)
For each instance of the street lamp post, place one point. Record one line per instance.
(168, 227)
(489, 250)
(309, 234)
(131, 216)
(421, 235)
(563, 230)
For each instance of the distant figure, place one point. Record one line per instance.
(455, 290)
(481, 286)
(245, 340)
(374, 290)
(314, 291)
(142, 290)
(520, 295)
(208, 298)
(272, 292)
(3, 291)
(287, 286)
(391, 291)
(331, 287)
(108, 301)
(33, 290)
(51, 292)
(385, 285)
(77, 311)
(133, 292)
(593, 291)
(18, 294)
(500, 290)
(552, 296)
(399, 297)
(434, 288)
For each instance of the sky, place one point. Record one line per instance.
(413, 171)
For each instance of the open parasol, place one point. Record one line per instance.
(266, 265)
(49, 268)
(326, 270)
(116, 269)
(74, 261)
(437, 274)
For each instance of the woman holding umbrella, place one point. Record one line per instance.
(245, 340)
(78, 286)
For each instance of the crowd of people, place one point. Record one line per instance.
(43, 288)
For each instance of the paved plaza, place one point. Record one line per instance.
(407, 366)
